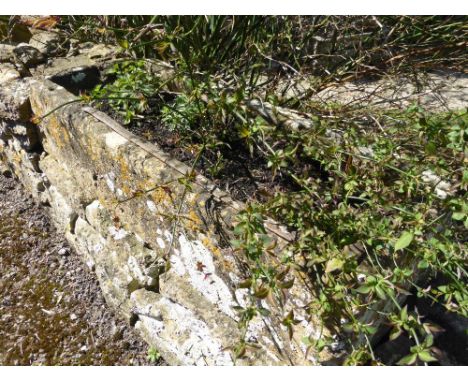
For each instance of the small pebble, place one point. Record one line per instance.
(63, 251)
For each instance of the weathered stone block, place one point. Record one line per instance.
(102, 51)
(6, 53)
(28, 55)
(14, 96)
(47, 43)
(8, 72)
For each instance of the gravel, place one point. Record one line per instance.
(52, 311)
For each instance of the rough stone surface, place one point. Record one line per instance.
(47, 43)
(437, 91)
(8, 72)
(6, 53)
(28, 55)
(23, 135)
(14, 96)
(102, 51)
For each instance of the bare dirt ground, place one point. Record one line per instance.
(51, 309)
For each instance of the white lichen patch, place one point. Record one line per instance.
(270, 343)
(178, 331)
(98, 248)
(60, 207)
(241, 296)
(254, 329)
(168, 235)
(114, 140)
(93, 212)
(151, 206)
(135, 269)
(308, 331)
(117, 234)
(197, 261)
(161, 243)
(110, 179)
(273, 332)
(176, 263)
(139, 238)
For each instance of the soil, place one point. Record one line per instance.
(52, 311)
(244, 177)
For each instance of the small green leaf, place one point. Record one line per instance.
(334, 265)
(425, 356)
(458, 215)
(429, 340)
(364, 289)
(408, 360)
(404, 313)
(380, 292)
(245, 284)
(123, 43)
(423, 264)
(405, 239)
(264, 312)
(280, 276)
(240, 351)
(395, 333)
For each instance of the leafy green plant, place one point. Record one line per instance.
(153, 355)
(394, 224)
(421, 352)
(129, 93)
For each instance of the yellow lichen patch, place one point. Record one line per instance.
(143, 185)
(192, 222)
(153, 191)
(17, 157)
(124, 176)
(106, 203)
(227, 264)
(208, 243)
(37, 106)
(160, 195)
(60, 136)
(93, 152)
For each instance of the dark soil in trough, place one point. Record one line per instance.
(244, 177)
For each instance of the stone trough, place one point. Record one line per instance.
(160, 250)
